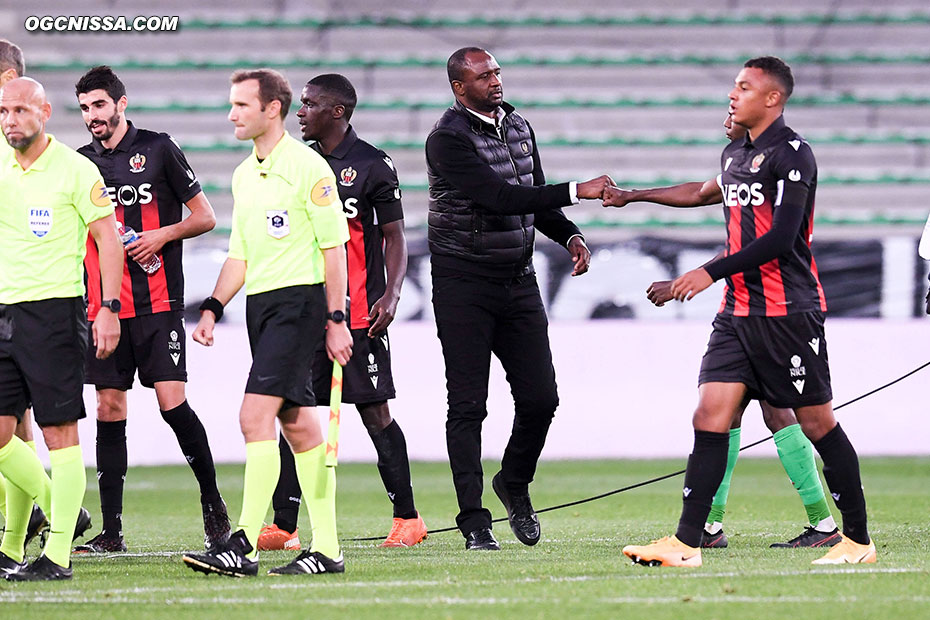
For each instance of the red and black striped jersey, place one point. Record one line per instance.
(150, 180)
(370, 195)
(768, 190)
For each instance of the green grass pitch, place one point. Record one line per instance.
(577, 570)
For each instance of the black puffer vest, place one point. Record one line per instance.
(461, 229)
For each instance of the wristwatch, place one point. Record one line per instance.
(336, 316)
(112, 304)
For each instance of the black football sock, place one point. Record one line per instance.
(286, 498)
(841, 471)
(395, 469)
(706, 466)
(111, 474)
(192, 438)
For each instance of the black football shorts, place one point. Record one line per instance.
(42, 346)
(153, 344)
(782, 360)
(366, 378)
(285, 330)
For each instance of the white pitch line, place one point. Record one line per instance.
(65, 598)
(131, 595)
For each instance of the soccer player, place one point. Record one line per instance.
(150, 180)
(49, 197)
(794, 449)
(768, 337)
(288, 233)
(370, 195)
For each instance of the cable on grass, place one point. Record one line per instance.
(658, 478)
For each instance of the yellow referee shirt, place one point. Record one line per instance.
(286, 208)
(44, 213)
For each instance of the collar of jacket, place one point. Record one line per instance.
(476, 124)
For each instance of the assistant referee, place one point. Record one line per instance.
(49, 197)
(288, 237)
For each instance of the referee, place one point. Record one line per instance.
(49, 197)
(288, 237)
(377, 263)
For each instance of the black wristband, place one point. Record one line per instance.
(213, 305)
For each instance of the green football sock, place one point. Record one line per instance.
(719, 505)
(262, 468)
(68, 483)
(44, 499)
(19, 509)
(21, 467)
(318, 483)
(31, 444)
(797, 457)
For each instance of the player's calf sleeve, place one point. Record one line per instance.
(2, 497)
(719, 504)
(68, 482)
(18, 511)
(394, 467)
(286, 498)
(841, 470)
(21, 467)
(797, 457)
(111, 473)
(192, 438)
(318, 483)
(706, 466)
(262, 464)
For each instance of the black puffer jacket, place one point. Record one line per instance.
(484, 192)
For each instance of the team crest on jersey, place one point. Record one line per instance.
(756, 162)
(278, 223)
(389, 162)
(525, 146)
(347, 176)
(40, 221)
(137, 163)
(324, 192)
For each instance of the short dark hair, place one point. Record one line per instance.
(272, 85)
(11, 57)
(101, 77)
(776, 68)
(338, 88)
(455, 66)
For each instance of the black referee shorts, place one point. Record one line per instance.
(782, 360)
(285, 330)
(367, 378)
(42, 346)
(152, 343)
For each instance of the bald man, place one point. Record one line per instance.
(42, 317)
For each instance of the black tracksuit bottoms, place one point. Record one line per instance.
(477, 316)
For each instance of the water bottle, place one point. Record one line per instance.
(127, 235)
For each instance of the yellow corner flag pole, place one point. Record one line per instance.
(335, 402)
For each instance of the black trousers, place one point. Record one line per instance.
(477, 316)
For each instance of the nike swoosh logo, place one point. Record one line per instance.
(59, 405)
(263, 378)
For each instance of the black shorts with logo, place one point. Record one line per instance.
(42, 346)
(782, 360)
(153, 344)
(366, 378)
(285, 329)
